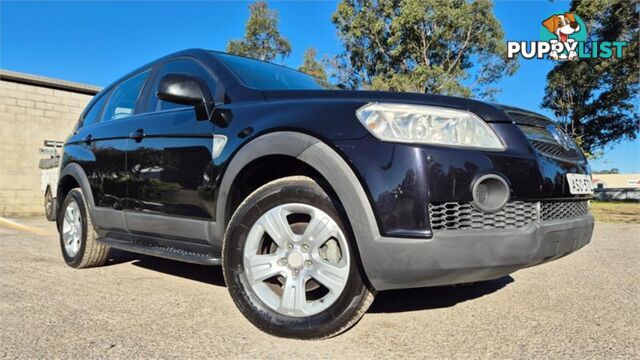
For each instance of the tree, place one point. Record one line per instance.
(596, 99)
(262, 39)
(421, 45)
(312, 66)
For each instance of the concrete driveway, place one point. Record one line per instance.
(584, 305)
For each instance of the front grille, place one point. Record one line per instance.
(546, 137)
(528, 119)
(515, 214)
(553, 210)
(556, 151)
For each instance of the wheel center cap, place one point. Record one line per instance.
(295, 259)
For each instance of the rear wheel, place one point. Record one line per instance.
(49, 205)
(289, 262)
(80, 248)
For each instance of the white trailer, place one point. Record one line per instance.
(49, 169)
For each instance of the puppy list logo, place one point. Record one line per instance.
(564, 37)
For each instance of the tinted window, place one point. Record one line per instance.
(266, 76)
(179, 66)
(93, 115)
(122, 102)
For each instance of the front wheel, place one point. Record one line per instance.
(290, 264)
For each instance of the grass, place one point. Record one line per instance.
(616, 212)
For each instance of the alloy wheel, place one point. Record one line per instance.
(72, 229)
(296, 259)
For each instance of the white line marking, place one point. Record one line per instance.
(14, 225)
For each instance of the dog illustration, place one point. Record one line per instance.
(562, 25)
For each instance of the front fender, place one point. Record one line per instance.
(333, 168)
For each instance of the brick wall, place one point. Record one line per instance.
(29, 114)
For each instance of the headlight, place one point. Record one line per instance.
(427, 125)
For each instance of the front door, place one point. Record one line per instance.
(169, 163)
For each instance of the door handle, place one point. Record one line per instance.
(88, 139)
(137, 135)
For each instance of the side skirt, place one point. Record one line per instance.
(168, 249)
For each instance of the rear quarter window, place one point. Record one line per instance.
(93, 115)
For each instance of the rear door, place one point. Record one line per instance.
(105, 133)
(169, 164)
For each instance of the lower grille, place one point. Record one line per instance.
(453, 215)
(515, 214)
(553, 210)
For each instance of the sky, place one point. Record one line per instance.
(97, 42)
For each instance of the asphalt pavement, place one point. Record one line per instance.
(586, 305)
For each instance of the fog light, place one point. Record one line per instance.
(490, 193)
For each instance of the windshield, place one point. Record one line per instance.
(266, 76)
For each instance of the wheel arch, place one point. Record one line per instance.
(73, 176)
(261, 171)
(320, 159)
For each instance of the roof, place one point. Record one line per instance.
(48, 82)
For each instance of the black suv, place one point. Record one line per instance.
(313, 198)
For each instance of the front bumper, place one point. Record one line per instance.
(401, 180)
(463, 256)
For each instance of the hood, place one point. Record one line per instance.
(487, 111)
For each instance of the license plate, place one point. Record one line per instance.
(579, 184)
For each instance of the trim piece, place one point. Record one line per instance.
(165, 226)
(219, 141)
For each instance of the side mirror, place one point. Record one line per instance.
(187, 90)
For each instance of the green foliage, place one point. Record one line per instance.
(312, 66)
(262, 39)
(596, 99)
(421, 45)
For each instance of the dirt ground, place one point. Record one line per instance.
(586, 305)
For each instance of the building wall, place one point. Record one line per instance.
(29, 114)
(617, 181)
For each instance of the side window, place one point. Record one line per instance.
(122, 102)
(179, 66)
(93, 116)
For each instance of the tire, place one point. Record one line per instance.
(83, 251)
(322, 311)
(49, 205)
